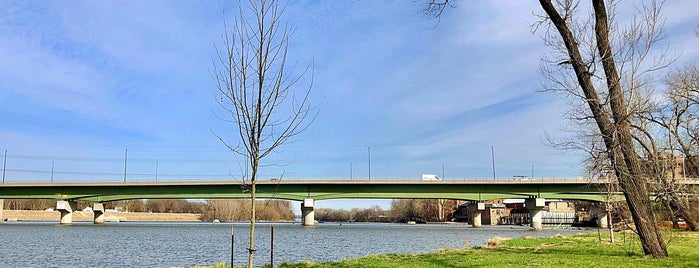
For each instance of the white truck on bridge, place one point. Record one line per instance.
(430, 177)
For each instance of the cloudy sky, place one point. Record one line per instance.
(81, 82)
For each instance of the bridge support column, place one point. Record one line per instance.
(66, 208)
(307, 216)
(602, 221)
(600, 212)
(98, 209)
(476, 209)
(2, 204)
(535, 206)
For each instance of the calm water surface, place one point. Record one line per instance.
(24, 244)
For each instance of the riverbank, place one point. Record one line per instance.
(79, 216)
(582, 251)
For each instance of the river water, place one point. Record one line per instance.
(34, 244)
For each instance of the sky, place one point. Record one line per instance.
(86, 85)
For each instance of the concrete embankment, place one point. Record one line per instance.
(32, 215)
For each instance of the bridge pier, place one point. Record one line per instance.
(66, 208)
(2, 204)
(602, 221)
(535, 206)
(600, 212)
(475, 209)
(98, 210)
(307, 215)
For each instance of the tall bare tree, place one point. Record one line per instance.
(257, 90)
(605, 68)
(676, 115)
(607, 81)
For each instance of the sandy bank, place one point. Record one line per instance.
(32, 215)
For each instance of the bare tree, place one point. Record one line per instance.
(584, 64)
(677, 116)
(257, 91)
(607, 87)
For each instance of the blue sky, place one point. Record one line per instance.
(82, 81)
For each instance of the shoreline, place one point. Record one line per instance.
(80, 216)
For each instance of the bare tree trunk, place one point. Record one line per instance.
(254, 85)
(251, 249)
(610, 224)
(634, 182)
(616, 134)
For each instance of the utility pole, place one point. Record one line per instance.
(532, 171)
(51, 171)
(350, 170)
(4, 167)
(156, 171)
(369, 150)
(443, 171)
(492, 154)
(126, 156)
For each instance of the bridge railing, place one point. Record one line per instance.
(379, 180)
(331, 180)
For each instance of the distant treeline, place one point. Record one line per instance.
(223, 210)
(402, 210)
(151, 205)
(267, 210)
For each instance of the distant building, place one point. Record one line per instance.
(493, 213)
(673, 166)
(560, 206)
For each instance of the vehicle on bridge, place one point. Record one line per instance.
(430, 177)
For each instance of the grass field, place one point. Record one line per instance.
(574, 251)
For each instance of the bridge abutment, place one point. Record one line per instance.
(476, 209)
(98, 210)
(307, 215)
(535, 207)
(66, 208)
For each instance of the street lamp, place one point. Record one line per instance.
(443, 171)
(369, 151)
(492, 155)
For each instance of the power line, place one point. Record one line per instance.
(116, 160)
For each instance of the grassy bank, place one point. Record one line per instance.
(575, 251)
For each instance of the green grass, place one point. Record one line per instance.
(575, 251)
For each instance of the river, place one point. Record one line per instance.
(48, 244)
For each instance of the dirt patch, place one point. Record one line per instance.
(495, 241)
(78, 216)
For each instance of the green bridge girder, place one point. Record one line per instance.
(298, 190)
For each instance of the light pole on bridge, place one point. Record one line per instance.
(126, 156)
(350, 170)
(492, 155)
(4, 167)
(369, 150)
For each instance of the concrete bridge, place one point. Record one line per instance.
(307, 191)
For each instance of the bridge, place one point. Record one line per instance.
(307, 191)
